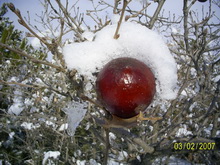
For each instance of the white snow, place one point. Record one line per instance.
(18, 106)
(63, 127)
(192, 106)
(35, 42)
(113, 162)
(174, 30)
(171, 161)
(138, 158)
(184, 93)
(11, 134)
(151, 128)
(122, 155)
(76, 113)
(208, 129)
(88, 35)
(93, 162)
(218, 134)
(135, 41)
(50, 123)
(112, 136)
(81, 162)
(29, 126)
(216, 79)
(183, 131)
(50, 154)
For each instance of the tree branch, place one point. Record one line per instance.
(107, 146)
(156, 13)
(116, 36)
(186, 30)
(33, 59)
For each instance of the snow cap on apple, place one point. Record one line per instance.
(135, 41)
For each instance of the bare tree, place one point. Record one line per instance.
(48, 86)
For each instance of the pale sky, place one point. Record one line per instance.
(35, 7)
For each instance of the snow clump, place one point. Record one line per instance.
(50, 154)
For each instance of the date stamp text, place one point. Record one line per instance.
(202, 146)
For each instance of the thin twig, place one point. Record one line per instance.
(116, 36)
(137, 13)
(156, 13)
(107, 146)
(186, 30)
(78, 30)
(20, 84)
(52, 47)
(23, 23)
(33, 59)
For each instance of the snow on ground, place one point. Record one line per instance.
(135, 41)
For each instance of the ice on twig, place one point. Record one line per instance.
(76, 112)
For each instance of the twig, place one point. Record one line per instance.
(156, 13)
(215, 125)
(33, 59)
(185, 22)
(33, 86)
(23, 23)
(107, 146)
(137, 13)
(116, 36)
(52, 47)
(86, 98)
(135, 139)
(78, 30)
(205, 118)
(115, 6)
(16, 83)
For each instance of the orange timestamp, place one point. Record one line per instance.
(203, 146)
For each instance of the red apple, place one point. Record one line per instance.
(125, 86)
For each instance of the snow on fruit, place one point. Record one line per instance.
(124, 85)
(136, 42)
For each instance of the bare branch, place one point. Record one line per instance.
(125, 3)
(33, 59)
(156, 13)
